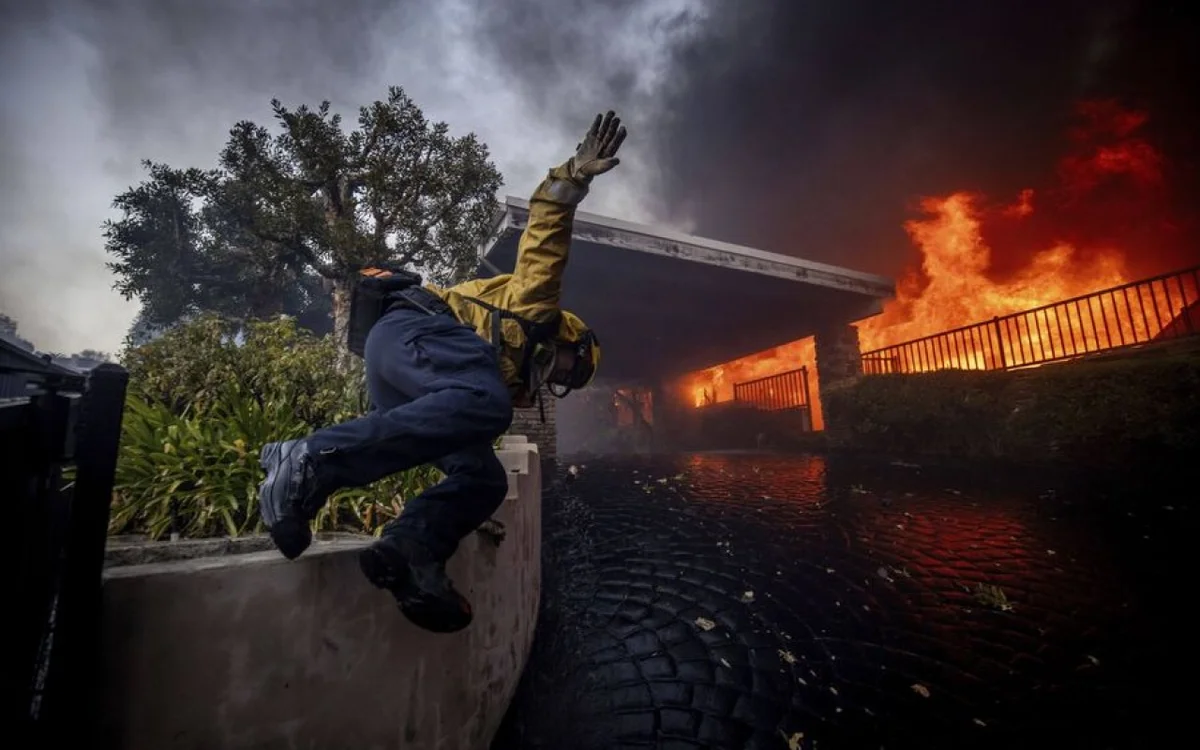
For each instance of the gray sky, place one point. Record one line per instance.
(89, 88)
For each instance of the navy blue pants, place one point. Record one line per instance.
(437, 397)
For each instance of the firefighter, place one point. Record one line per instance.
(444, 369)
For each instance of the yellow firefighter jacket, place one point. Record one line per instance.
(533, 289)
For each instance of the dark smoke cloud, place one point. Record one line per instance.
(571, 56)
(816, 140)
(812, 128)
(244, 50)
(177, 65)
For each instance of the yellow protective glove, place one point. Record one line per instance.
(597, 153)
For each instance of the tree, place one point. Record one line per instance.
(159, 243)
(301, 211)
(8, 329)
(142, 331)
(178, 255)
(93, 355)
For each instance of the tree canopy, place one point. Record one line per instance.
(8, 329)
(290, 216)
(174, 255)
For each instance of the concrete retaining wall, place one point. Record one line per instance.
(253, 651)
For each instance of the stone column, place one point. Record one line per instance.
(839, 360)
(528, 422)
(659, 416)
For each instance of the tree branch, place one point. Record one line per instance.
(417, 170)
(406, 258)
(369, 146)
(296, 246)
(450, 206)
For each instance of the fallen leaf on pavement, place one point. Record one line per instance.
(992, 596)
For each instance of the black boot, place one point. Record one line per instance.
(423, 591)
(289, 498)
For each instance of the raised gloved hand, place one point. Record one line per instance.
(597, 153)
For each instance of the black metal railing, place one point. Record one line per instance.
(785, 390)
(60, 431)
(1140, 312)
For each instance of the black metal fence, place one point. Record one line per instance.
(1154, 309)
(785, 390)
(59, 432)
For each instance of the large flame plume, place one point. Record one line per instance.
(1094, 227)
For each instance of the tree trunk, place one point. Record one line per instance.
(341, 318)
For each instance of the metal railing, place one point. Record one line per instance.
(1154, 309)
(60, 430)
(785, 390)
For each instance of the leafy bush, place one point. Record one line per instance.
(204, 398)
(198, 365)
(1106, 411)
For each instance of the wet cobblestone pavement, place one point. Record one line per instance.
(754, 601)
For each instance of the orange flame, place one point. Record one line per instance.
(715, 385)
(1110, 172)
(953, 289)
(1083, 223)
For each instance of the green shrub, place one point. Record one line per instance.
(197, 365)
(1104, 411)
(200, 407)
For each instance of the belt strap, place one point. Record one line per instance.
(420, 298)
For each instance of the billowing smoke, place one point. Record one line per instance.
(813, 128)
(816, 128)
(810, 128)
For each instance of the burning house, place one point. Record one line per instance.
(709, 339)
(1077, 272)
(666, 304)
